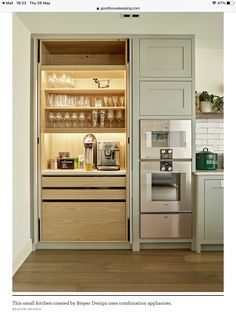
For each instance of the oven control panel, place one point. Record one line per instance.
(166, 153)
(166, 166)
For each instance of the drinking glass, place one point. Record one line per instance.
(67, 119)
(110, 104)
(119, 116)
(74, 117)
(102, 118)
(115, 99)
(94, 118)
(81, 119)
(110, 116)
(64, 102)
(52, 80)
(52, 119)
(59, 118)
(89, 119)
(105, 99)
(98, 102)
(86, 101)
(50, 100)
(122, 100)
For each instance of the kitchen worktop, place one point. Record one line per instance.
(79, 172)
(216, 172)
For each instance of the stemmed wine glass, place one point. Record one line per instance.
(119, 117)
(81, 119)
(114, 99)
(67, 119)
(86, 101)
(102, 118)
(74, 117)
(89, 119)
(94, 118)
(110, 101)
(122, 100)
(59, 118)
(105, 98)
(110, 116)
(52, 119)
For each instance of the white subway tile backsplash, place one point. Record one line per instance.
(215, 142)
(210, 134)
(215, 130)
(213, 136)
(202, 125)
(201, 142)
(201, 130)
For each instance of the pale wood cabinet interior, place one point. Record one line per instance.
(80, 80)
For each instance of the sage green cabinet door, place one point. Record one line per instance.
(165, 58)
(214, 210)
(165, 98)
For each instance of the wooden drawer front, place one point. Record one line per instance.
(77, 182)
(83, 194)
(83, 221)
(165, 98)
(165, 58)
(166, 226)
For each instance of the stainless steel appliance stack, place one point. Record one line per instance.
(166, 210)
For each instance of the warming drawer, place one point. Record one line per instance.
(166, 226)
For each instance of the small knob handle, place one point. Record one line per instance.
(169, 168)
(170, 151)
(163, 168)
(163, 151)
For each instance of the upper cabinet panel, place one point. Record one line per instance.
(166, 58)
(83, 52)
(165, 98)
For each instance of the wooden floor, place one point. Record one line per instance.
(120, 271)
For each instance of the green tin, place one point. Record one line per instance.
(206, 160)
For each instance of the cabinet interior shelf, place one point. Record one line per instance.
(76, 91)
(209, 115)
(84, 130)
(82, 108)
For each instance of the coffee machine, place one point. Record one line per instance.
(108, 155)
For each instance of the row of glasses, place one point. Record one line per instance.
(85, 119)
(113, 101)
(62, 100)
(60, 81)
(68, 119)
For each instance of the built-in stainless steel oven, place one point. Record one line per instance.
(159, 135)
(165, 173)
(165, 186)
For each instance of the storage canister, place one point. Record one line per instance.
(206, 160)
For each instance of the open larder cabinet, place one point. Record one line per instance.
(83, 88)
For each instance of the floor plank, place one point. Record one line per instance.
(120, 271)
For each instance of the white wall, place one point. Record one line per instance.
(21, 143)
(210, 71)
